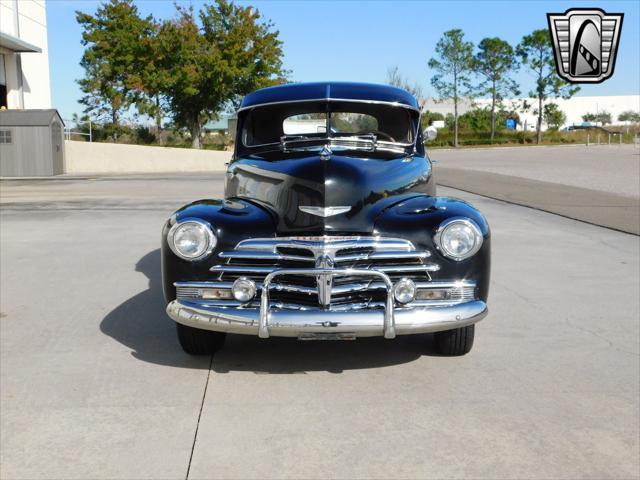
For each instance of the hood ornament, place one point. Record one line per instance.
(325, 153)
(324, 211)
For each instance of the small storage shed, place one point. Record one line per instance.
(31, 143)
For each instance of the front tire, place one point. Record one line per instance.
(195, 341)
(453, 343)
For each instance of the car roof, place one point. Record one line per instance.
(330, 91)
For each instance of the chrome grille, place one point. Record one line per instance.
(256, 258)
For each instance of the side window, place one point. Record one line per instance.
(5, 137)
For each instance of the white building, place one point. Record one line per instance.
(24, 56)
(574, 108)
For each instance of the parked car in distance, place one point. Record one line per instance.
(330, 229)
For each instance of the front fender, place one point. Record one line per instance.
(417, 220)
(231, 221)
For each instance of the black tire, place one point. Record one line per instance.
(456, 342)
(195, 341)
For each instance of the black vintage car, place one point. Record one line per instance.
(330, 229)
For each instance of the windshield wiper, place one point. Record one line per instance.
(287, 142)
(367, 142)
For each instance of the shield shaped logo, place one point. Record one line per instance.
(585, 42)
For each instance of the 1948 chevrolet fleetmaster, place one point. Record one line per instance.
(330, 229)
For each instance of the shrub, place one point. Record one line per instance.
(144, 135)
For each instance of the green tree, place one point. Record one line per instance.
(428, 117)
(453, 68)
(113, 44)
(476, 119)
(494, 62)
(553, 116)
(536, 52)
(150, 78)
(603, 117)
(206, 68)
(629, 116)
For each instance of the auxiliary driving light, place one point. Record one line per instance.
(243, 289)
(404, 291)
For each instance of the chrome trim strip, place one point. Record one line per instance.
(463, 283)
(388, 243)
(347, 100)
(357, 287)
(283, 287)
(382, 256)
(240, 268)
(383, 268)
(361, 323)
(408, 268)
(257, 255)
(203, 284)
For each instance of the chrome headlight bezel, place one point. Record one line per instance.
(208, 237)
(447, 224)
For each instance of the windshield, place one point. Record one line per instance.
(342, 125)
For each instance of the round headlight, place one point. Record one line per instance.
(243, 289)
(458, 238)
(192, 239)
(404, 290)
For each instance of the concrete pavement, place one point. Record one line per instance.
(605, 168)
(606, 209)
(597, 184)
(94, 385)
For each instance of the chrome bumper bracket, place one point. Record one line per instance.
(389, 325)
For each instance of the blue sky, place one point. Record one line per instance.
(360, 40)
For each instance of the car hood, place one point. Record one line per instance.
(363, 187)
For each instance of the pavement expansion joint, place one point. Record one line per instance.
(195, 434)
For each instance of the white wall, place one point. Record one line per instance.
(573, 107)
(112, 158)
(27, 20)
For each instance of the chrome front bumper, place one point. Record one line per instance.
(296, 323)
(369, 322)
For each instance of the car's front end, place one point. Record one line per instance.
(327, 235)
